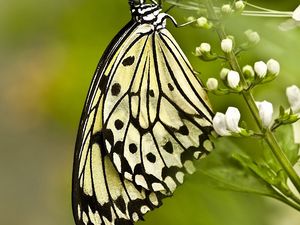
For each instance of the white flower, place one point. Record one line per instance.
(219, 124)
(248, 71)
(202, 21)
(293, 95)
(232, 118)
(261, 69)
(226, 9)
(226, 45)
(233, 79)
(228, 123)
(202, 49)
(252, 36)
(212, 84)
(205, 47)
(239, 5)
(223, 73)
(265, 112)
(273, 67)
(296, 14)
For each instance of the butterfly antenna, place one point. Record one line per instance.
(172, 6)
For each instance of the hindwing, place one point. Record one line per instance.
(100, 195)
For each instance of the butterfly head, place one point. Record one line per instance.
(148, 13)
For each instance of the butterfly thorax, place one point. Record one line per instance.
(149, 14)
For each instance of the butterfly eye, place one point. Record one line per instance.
(136, 2)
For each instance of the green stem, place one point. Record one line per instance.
(269, 136)
(282, 198)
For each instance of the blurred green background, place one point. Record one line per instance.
(48, 54)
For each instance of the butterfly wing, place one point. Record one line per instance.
(99, 194)
(156, 115)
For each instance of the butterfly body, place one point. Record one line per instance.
(145, 119)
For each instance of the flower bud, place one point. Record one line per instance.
(205, 47)
(296, 14)
(232, 118)
(202, 21)
(219, 124)
(223, 73)
(212, 84)
(239, 5)
(248, 71)
(265, 112)
(190, 19)
(202, 49)
(293, 95)
(226, 9)
(226, 45)
(233, 79)
(252, 36)
(273, 67)
(261, 69)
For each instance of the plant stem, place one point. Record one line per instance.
(247, 95)
(282, 198)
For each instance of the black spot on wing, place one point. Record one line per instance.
(151, 157)
(115, 89)
(183, 130)
(119, 124)
(128, 61)
(132, 148)
(168, 147)
(151, 93)
(170, 86)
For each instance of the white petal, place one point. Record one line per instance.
(223, 73)
(226, 45)
(232, 117)
(252, 36)
(293, 95)
(296, 129)
(212, 84)
(219, 124)
(202, 21)
(239, 5)
(273, 66)
(233, 79)
(296, 14)
(265, 112)
(261, 69)
(205, 47)
(248, 71)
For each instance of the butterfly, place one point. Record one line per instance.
(145, 119)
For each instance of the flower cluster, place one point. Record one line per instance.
(280, 152)
(228, 9)
(228, 124)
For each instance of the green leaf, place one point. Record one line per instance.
(227, 172)
(285, 138)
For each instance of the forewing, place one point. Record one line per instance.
(157, 121)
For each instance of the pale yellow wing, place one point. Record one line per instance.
(156, 115)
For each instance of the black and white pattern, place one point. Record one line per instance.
(145, 119)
